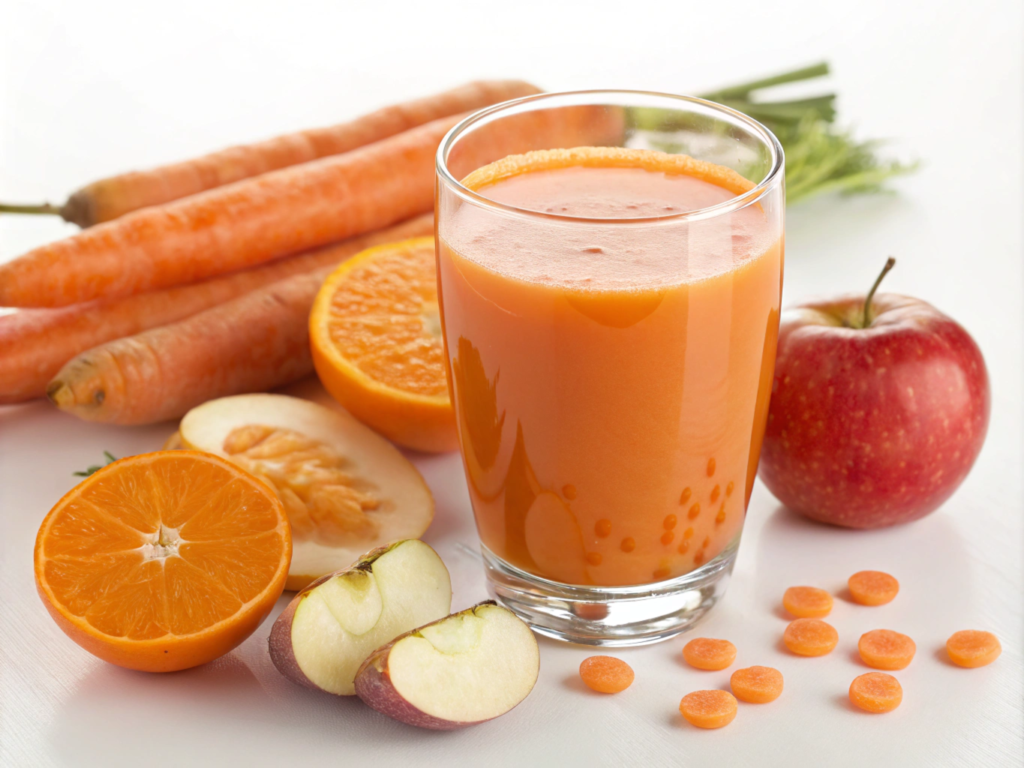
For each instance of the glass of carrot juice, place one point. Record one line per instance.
(610, 272)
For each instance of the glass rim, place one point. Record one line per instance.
(759, 190)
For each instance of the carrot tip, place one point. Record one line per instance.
(59, 393)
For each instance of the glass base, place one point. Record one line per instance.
(610, 616)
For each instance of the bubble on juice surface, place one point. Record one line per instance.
(594, 558)
(667, 537)
(720, 517)
(685, 496)
(711, 467)
(715, 493)
(730, 488)
(603, 528)
(628, 544)
(669, 522)
(694, 511)
(569, 491)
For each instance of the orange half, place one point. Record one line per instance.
(163, 561)
(375, 332)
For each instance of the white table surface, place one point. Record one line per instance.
(87, 89)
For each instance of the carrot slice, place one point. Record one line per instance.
(973, 648)
(807, 602)
(810, 637)
(873, 587)
(885, 649)
(756, 685)
(606, 674)
(708, 709)
(876, 692)
(708, 653)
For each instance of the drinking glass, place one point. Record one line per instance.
(610, 432)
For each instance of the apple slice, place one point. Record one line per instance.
(329, 627)
(462, 670)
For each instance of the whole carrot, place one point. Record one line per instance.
(35, 343)
(115, 196)
(273, 215)
(233, 227)
(251, 344)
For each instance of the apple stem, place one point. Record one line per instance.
(889, 264)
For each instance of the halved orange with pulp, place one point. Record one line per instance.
(375, 332)
(163, 561)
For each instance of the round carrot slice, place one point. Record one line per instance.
(807, 602)
(876, 692)
(810, 637)
(973, 648)
(163, 561)
(708, 653)
(873, 587)
(606, 674)
(708, 709)
(375, 334)
(885, 649)
(756, 685)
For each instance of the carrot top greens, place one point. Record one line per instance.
(820, 157)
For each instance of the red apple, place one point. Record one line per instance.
(876, 416)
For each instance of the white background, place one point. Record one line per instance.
(90, 88)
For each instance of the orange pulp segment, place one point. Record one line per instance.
(163, 561)
(375, 332)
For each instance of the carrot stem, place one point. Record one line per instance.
(44, 209)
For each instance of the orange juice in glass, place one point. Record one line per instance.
(610, 307)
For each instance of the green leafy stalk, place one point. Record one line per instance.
(96, 467)
(743, 91)
(820, 158)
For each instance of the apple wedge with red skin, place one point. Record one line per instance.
(462, 670)
(876, 415)
(332, 625)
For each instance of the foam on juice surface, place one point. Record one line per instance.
(609, 254)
